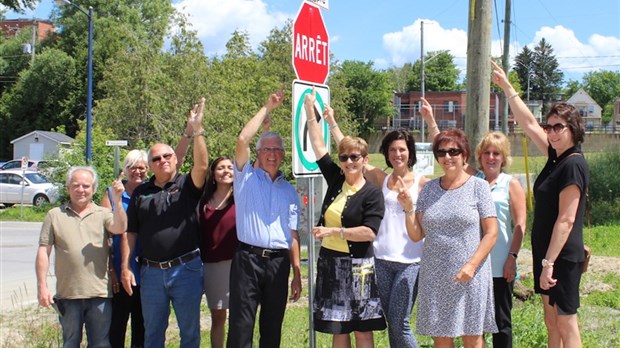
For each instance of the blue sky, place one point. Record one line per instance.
(584, 34)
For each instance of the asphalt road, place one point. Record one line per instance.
(18, 248)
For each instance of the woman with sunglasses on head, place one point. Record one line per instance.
(346, 297)
(456, 216)
(397, 257)
(560, 194)
(493, 157)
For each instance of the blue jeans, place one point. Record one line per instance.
(397, 284)
(94, 313)
(181, 285)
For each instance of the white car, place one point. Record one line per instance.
(37, 189)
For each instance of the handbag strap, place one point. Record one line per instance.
(588, 205)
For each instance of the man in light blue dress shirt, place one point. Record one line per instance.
(267, 216)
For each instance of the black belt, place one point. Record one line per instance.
(263, 252)
(171, 263)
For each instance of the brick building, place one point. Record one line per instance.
(10, 27)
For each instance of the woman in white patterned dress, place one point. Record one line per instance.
(456, 215)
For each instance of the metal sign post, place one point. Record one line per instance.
(21, 199)
(116, 144)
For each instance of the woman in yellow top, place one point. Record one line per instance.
(346, 297)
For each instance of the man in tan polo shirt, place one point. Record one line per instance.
(79, 233)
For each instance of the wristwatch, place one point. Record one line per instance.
(547, 263)
(515, 255)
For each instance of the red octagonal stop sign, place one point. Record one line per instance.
(310, 45)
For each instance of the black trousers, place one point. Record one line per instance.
(257, 280)
(124, 305)
(502, 291)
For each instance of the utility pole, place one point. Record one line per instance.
(506, 62)
(422, 87)
(34, 39)
(478, 72)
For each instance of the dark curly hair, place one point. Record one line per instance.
(399, 134)
(570, 114)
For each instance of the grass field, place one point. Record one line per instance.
(599, 315)
(535, 164)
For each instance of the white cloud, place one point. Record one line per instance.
(576, 57)
(404, 46)
(214, 21)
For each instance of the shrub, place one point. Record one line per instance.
(605, 186)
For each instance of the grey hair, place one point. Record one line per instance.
(133, 157)
(268, 135)
(87, 169)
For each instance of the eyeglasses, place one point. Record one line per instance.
(557, 128)
(452, 152)
(166, 156)
(271, 149)
(135, 169)
(354, 157)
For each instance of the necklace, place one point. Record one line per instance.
(219, 201)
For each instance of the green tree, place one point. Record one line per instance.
(370, 93)
(604, 87)
(572, 86)
(544, 73)
(19, 5)
(400, 76)
(13, 60)
(440, 72)
(43, 98)
(102, 161)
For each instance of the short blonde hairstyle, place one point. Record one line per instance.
(350, 143)
(499, 140)
(133, 157)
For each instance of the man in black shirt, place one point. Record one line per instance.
(162, 217)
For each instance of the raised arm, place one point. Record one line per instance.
(427, 114)
(200, 154)
(316, 137)
(414, 230)
(181, 149)
(118, 224)
(520, 111)
(242, 151)
(332, 125)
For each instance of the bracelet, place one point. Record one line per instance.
(333, 126)
(188, 136)
(513, 96)
(409, 211)
(200, 132)
(341, 232)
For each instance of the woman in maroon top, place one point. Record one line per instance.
(218, 242)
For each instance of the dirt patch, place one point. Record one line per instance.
(590, 282)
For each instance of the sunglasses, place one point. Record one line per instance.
(557, 128)
(452, 152)
(166, 156)
(354, 157)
